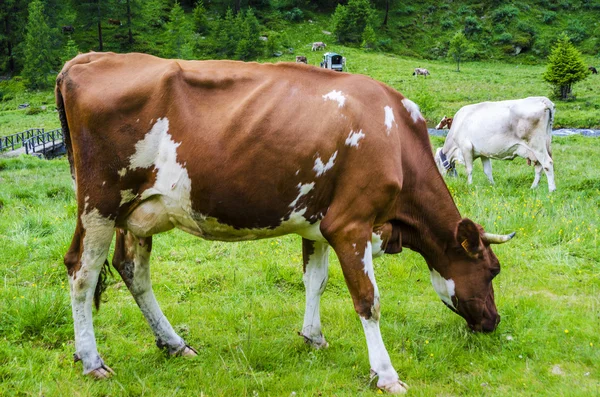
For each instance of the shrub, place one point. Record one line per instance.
(294, 15)
(472, 26)
(349, 22)
(505, 13)
(505, 37)
(565, 67)
(548, 17)
(33, 110)
(577, 32)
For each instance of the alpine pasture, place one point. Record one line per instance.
(241, 304)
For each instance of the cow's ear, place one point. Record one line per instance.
(467, 235)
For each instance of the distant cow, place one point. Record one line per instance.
(318, 45)
(421, 71)
(301, 59)
(593, 70)
(501, 130)
(114, 22)
(68, 29)
(446, 122)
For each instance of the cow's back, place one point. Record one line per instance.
(248, 145)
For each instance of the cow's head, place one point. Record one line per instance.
(444, 164)
(463, 279)
(446, 122)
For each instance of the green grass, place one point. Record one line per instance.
(241, 304)
(443, 93)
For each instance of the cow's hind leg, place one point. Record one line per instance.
(84, 261)
(132, 261)
(487, 168)
(352, 245)
(538, 174)
(316, 274)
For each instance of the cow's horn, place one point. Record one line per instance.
(491, 238)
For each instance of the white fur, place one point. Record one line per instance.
(304, 190)
(443, 287)
(320, 168)
(127, 196)
(413, 109)
(370, 272)
(377, 244)
(389, 119)
(337, 96)
(122, 172)
(96, 242)
(315, 279)
(354, 137)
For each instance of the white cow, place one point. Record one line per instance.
(501, 130)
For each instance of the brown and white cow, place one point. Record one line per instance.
(237, 151)
(501, 130)
(421, 72)
(445, 122)
(318, 45)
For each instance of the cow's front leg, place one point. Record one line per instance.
(84, 260)
(132, 261)
(316, 273)
(354, 250)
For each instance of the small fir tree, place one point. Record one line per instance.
(249, 45)
(37, 56)
(70, 51)
(200, 18)
(178, 39)
(350, 21)
(565, 67)
(460, 49)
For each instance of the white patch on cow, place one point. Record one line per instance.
(122, 172)
(354, 137)
(171, 201)
(320, 168)
(96, 242)
(137, 121)
(103, 183)
(127, 196)
(377, 244)
(389, 119)
(369, 271)
(304, 189)
(413, 109)
(337, 96)
(297, 172)
(380, 359)
(443, 287)
(315, 279)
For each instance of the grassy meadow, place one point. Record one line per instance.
(241, 304)
(443, 93)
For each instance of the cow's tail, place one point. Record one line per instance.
(62, 116)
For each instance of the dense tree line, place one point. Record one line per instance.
(37, 36)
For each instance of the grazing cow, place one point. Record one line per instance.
(421, 72)
(114, 22)
(301, 59)
(593, 70)
(68, 29)
(446, 122)
(237, 151)
(501, 130)
(318, 45)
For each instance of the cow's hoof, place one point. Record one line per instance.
(397, 387)
(103, 372)
(318, 342)
(187, 351)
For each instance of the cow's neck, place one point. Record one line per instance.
(428, 219)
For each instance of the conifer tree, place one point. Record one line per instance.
(565, 67)
(37, 58)
(350, 21)
(459, 49)
(249, 45)
(178, 40)
(70, 50)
